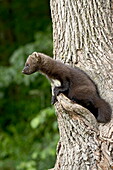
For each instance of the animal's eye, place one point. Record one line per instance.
(27, 65)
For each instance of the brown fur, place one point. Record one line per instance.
(75, 84)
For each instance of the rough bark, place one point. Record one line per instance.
(82, 36)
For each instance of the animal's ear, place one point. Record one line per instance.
(36, 56)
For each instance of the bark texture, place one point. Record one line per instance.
(82, 36)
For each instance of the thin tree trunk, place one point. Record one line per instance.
(82, 36)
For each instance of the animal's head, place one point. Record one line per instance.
(32, 64)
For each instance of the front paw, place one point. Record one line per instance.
(53, 100)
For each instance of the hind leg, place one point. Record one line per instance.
(82, 93)
(85, 97)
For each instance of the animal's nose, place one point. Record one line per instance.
(26, 70)
(23, 71)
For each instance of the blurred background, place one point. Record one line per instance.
(28, 126)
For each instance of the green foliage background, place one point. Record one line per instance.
(28, 127)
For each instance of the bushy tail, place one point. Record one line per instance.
(104, 111)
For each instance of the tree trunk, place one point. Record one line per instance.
(82, 36)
